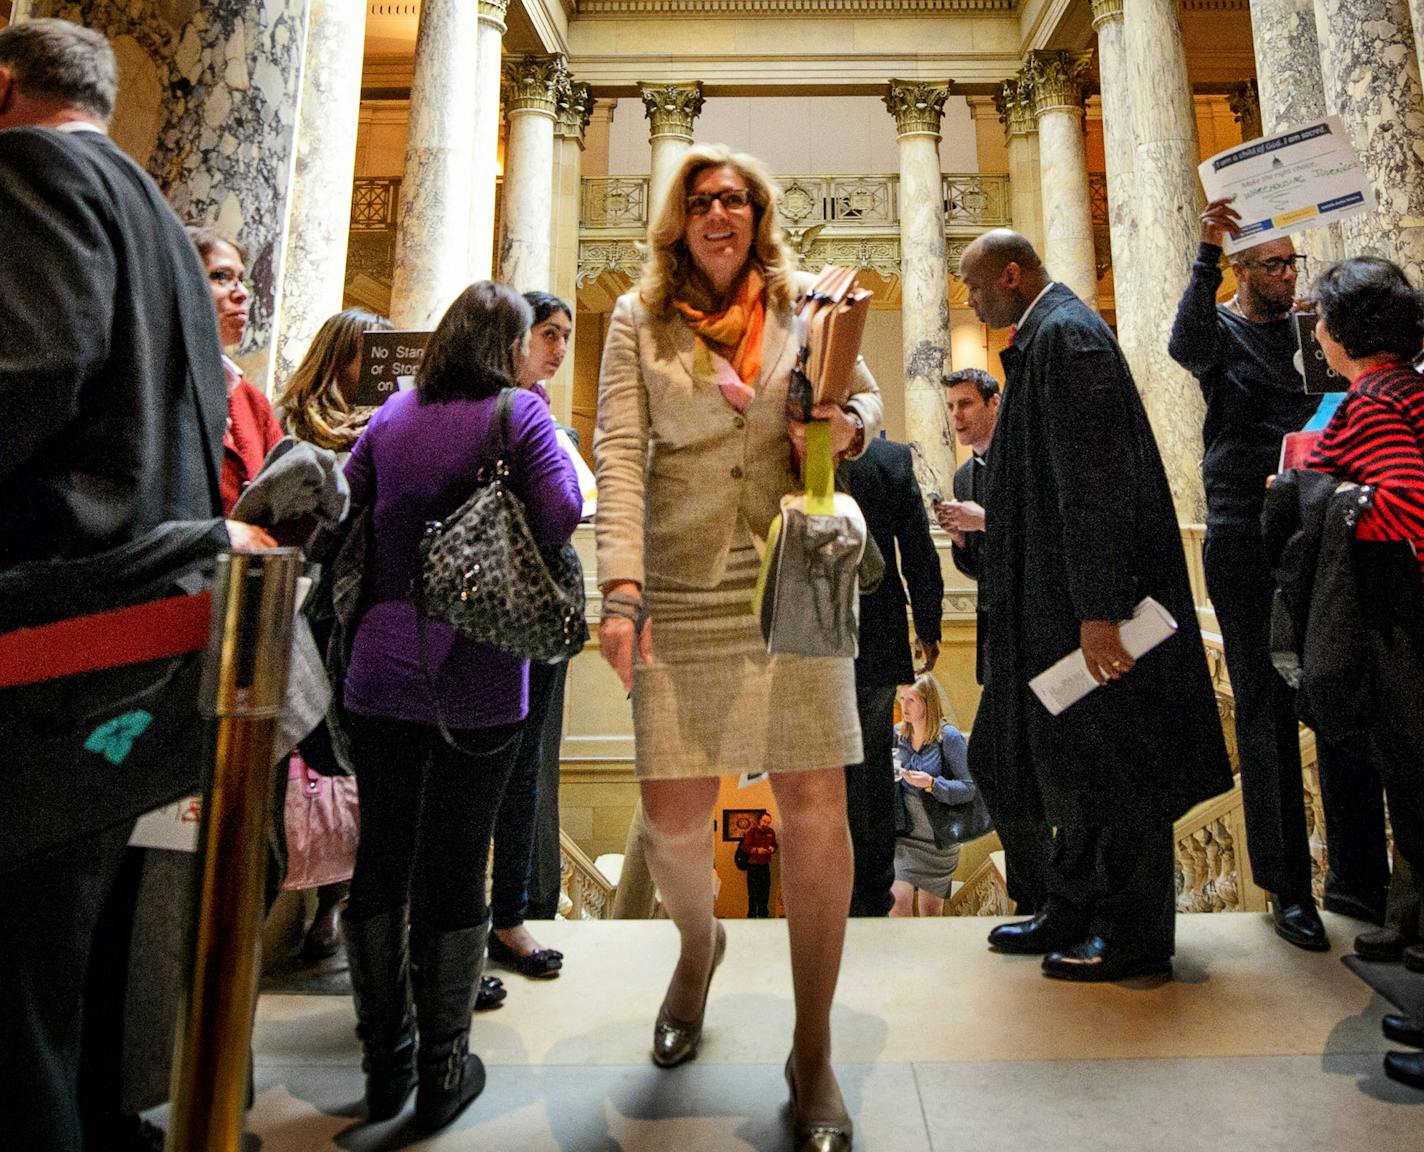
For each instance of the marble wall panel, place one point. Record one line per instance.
(228, 76)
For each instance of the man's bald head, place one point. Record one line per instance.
(1004, 275)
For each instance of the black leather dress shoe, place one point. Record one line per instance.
(1406, 1067)
(1095, 961)
(1033, 937)
(1414, 958)
(1404, 1030)
(1383, 944)
(1299, 924)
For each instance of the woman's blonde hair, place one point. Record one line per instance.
(669, 264)
(926, 687)
(312, 406)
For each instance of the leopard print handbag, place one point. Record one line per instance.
(482, 571)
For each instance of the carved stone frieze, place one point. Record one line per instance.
(1015, 104)
(1056, 80)
(782, 7)
(879, 256)
(672, 108)
(597, 257)
(574, 102)
(531, 84)
(918, 107)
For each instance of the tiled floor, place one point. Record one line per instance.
(940, 1045)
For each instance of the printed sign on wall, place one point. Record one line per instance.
(389, 362)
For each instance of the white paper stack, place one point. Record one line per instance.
(1068, 681)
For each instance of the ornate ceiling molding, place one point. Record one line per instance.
(779, 8)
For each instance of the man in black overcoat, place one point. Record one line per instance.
(971, 399)
(1080, 526)
(112, 403)
(882, 481)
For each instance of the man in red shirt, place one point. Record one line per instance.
(759, 845)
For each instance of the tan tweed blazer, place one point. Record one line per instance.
(677, 466)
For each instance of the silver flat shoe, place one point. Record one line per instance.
(833, 1135)
(675, 1041)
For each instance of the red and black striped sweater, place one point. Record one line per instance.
(1376, 437)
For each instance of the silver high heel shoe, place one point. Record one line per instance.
(829, 1135)
(675, 1041)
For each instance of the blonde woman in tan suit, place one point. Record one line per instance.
(693, 450)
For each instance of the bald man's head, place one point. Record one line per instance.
(1004, 275)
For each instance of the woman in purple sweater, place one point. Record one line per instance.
(428, 803)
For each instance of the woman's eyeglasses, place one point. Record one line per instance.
(700, 203)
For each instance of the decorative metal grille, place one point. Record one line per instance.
(374, 203)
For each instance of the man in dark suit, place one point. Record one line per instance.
(882, 481)
(113, 402)
(971, 399)
(1080, 527)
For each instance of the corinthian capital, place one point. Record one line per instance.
(672, 108)
(1056, 80)
(575, 101)
(493, 12)
(1106, 11)
(1015, 104)
(1245, 103)
(918, 107)
(531, 84)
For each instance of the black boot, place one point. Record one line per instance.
(446, 968)
(380, 986)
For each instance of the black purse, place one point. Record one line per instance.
(482, 572)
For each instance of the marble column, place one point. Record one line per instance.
(918, 108)
(1056, 82)
(489, 41)
(1371, 73)
(1015, 103)
(1169, 201)
(207, 104)
(1120, 159)
(1292, 92)
(314, 273)
(531, 103)
(671, 109)
(432, 234)
(575, 109)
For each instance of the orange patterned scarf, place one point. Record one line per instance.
(734, 333)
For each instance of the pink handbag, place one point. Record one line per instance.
(323, 825)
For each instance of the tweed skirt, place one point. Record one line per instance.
(714, 702)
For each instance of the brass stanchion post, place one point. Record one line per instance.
(244, 682)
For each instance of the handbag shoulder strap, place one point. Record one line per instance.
(497, 438)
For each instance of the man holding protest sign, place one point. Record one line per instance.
(1242, 353)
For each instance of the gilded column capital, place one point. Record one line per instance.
(575, 109)
(1245, 103)
(1106, 11)
(531, 84)
(918, 107)
(1015, 104)
(672, 108)
(1056, 80)
(493, 12)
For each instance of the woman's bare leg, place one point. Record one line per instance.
(678, 818)
(930, 904)
(815, 886)
(904, 895)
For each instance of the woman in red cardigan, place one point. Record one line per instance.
(252, 428)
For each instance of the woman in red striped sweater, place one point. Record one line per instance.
(1371, 327)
